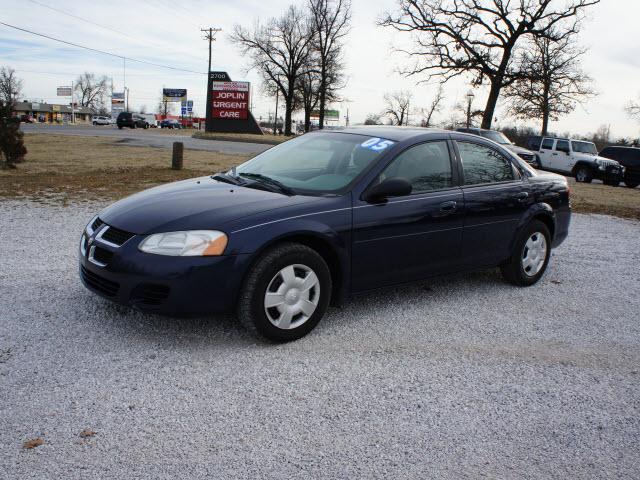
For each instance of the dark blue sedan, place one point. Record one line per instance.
(322, 217)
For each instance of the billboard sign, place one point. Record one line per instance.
(174, 94)
(117, 103)
(63, 91)
(328, 114)
(230, 100)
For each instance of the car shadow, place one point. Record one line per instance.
(225, 330)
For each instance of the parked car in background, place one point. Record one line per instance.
(629, 158)
(101, 120)
(150, 118)
(321, 217)
(577, 158)
(170, 123)
(26, 118)
(131, 120)
(499, 137)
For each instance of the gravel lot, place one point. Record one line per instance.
(463, 377)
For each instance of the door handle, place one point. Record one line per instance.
(448, 206)
(521, 196)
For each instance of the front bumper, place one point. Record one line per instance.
(611, 174)
(176, 286)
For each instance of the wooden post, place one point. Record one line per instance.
(176, 159)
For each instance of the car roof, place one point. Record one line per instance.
(394, 133)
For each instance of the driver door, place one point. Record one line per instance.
(412, 237)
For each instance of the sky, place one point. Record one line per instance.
(167, 32)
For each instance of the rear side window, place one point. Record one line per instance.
(563, 146)
(547, 144)
(482, 164)
(427, 167)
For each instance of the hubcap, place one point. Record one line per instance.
(582, 175)
(292, 296)
(534, 254)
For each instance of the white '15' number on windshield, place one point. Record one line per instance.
(376, 144)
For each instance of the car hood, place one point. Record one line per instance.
(517, 149)
(195, 204)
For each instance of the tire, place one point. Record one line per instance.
(514, 270)
(630, 183)
(537, 164)
(584, 174)
(95, 124)
(266, 276)
(134, 126)
(119, 127)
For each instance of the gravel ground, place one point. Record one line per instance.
(462, 377)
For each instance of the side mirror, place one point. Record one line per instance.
(390, 187)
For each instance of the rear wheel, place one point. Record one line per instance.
(584, 174)
(630, 183)
(530, 256)
(286, 293)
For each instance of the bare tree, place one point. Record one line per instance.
(330, 21)
(633, 109)
(91, 90)
(397, 106)
(279, 50)
(10, 85)
(554, 83)
(434, 107)
(481, 38)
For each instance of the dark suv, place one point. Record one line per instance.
(131, 120)
(629, 158)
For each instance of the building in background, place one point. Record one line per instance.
(52, 113)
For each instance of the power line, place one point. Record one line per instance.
(62, 12)
(122, 57)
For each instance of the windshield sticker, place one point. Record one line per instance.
(376, 144)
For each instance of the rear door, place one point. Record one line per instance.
(412, 237)
(496, 196)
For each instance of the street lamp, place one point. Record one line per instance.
(470, 95)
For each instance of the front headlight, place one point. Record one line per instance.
(192, 243)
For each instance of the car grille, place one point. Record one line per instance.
(98, 283)
(101, 255)
(150, 294)
(97, 223)
(610, 164)
(116, 236)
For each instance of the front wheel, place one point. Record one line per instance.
(584, 175)
(286, 293)
(530, 256)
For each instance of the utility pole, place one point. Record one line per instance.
(209, 34)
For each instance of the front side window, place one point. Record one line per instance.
(482, 164)
(426, 166)
(547, 144)
(318, 164)
(563, 146)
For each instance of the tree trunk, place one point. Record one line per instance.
(287, 114)
(307, 120)
(545, 110)
(322, 93)
(490, 108)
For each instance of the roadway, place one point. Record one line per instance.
(152, 137)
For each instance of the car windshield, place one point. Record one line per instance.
(497, 137)
(584, 147)
(317, 164)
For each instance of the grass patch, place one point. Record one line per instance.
(95, 168)
(598, 198)
(242, 137)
